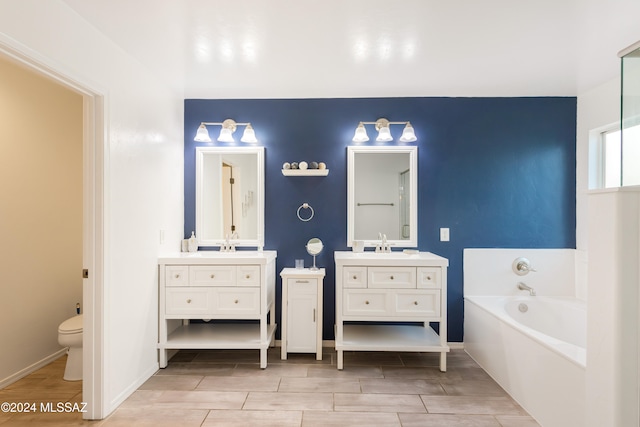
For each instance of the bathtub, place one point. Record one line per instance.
(535, 348)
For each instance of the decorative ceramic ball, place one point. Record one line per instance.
(321, 165)
(286, 165)
(294, 165)
(303, 165)
(313, 165)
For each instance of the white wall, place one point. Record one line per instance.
(40, 216)
(142, 177)
(490, 272)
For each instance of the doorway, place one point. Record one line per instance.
(92, 228)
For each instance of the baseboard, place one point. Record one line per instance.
(31, 368)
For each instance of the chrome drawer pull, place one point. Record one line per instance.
(302, 281)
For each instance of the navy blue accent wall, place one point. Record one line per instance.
(499, 172)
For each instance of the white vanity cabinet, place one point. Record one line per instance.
(301, 322)
(213, 286)
(406, 292)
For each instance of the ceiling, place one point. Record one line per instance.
(370, 48)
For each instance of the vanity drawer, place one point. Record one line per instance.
(429, 277)
(176, 275)
(365, 302)
(208, 275)
(392, 277)
(354, 277)
(234, 300)
(423, 303)
(248, 275)
(187, 301)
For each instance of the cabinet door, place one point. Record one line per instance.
(302, 316)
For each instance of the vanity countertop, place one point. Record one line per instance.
(390, 258)
(217, 257)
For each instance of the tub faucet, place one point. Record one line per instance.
(524, 287)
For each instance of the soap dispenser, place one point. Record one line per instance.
(193, 243)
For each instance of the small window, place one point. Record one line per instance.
(611, 152)
(618, 157)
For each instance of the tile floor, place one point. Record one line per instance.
(227, 388)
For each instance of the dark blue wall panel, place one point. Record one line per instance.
(499, 172)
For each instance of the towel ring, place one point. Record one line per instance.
(305, 206)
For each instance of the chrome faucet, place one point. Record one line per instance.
(524, 287)
(383, 246)
(228, 245)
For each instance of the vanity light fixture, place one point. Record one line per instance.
(384, 133)
(226, 133)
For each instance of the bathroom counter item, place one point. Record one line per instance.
(216, 286)
(301, 323)
(395, 289)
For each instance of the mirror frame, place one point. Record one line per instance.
(201, 152)
(413, 201)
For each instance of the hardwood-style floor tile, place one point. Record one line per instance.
(289, 401)
(360, 402)
(320, 385)
(478, 405)
(263, 383)
(227, 388)
(253, 419)
(516, 421)
(450, 420)
(350, 419)
(136, 417)
(401, 386)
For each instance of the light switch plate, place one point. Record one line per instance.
(444, 234)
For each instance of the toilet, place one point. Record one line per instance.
(70, 335)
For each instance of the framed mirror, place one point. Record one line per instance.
(230, 196)
(382, 195)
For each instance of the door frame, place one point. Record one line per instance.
(93, 230)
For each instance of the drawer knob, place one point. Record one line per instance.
(248, 276)
(366, 302)
(391, 277)
(189, 301)
(177, 276)
(415, 303)
(213, 275)
(355, 277)
(236, 301)
(428, 277)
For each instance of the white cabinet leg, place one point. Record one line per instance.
(443, 362)
(340, 360)
(163, 358)
(263, 358)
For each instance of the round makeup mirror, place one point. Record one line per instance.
(314, 247)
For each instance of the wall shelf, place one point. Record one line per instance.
(305, 172)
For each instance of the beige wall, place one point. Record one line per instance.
(40, 215)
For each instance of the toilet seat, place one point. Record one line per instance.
(71, 326)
